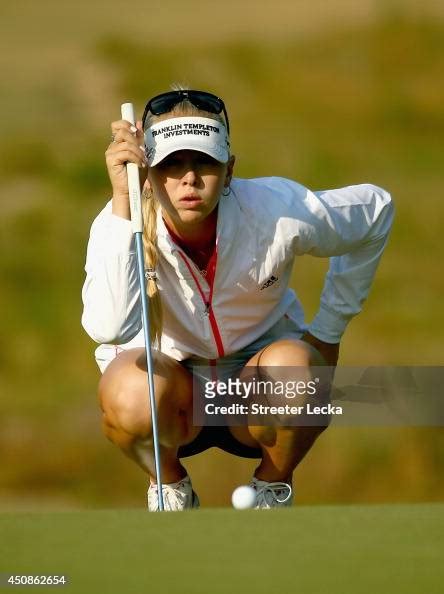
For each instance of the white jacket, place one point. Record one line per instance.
(262, 225)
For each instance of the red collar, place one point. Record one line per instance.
(182, 242)
(210, 259)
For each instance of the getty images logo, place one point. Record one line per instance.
(269, 282)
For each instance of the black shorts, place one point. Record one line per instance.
(218, 437)
(228, 366)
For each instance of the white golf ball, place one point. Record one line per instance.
(243, 497)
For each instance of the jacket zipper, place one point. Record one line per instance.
(208, 301)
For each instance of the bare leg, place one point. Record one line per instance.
(124, 399)
(283, 447)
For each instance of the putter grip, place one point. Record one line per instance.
(132, 172)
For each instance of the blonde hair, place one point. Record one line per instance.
(150, 207)
(149, 212)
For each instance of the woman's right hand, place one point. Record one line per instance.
(126, 146)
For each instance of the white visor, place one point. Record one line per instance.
(195, 134)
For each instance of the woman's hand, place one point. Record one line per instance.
(126, 146)
(330, 352)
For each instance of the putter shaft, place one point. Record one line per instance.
(149, 364)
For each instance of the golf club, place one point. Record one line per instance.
(132, 170)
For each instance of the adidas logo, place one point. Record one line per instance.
(269, 282)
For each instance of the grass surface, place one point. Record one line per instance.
(331, 549)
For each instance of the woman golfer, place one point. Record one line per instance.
(219, 252)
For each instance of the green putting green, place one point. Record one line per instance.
(309, 550)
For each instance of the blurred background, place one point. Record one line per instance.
(327, 93)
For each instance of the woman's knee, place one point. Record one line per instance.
(124, 393)
(289, 352)
(124, 402)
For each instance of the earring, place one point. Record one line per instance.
(227, 191)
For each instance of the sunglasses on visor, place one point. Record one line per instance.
(165, 102)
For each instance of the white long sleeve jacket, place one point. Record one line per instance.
(262, 225)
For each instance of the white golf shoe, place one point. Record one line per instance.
(274, 494)
(176, 496)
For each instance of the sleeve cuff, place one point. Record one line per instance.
(119, 234)
(328, 326)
